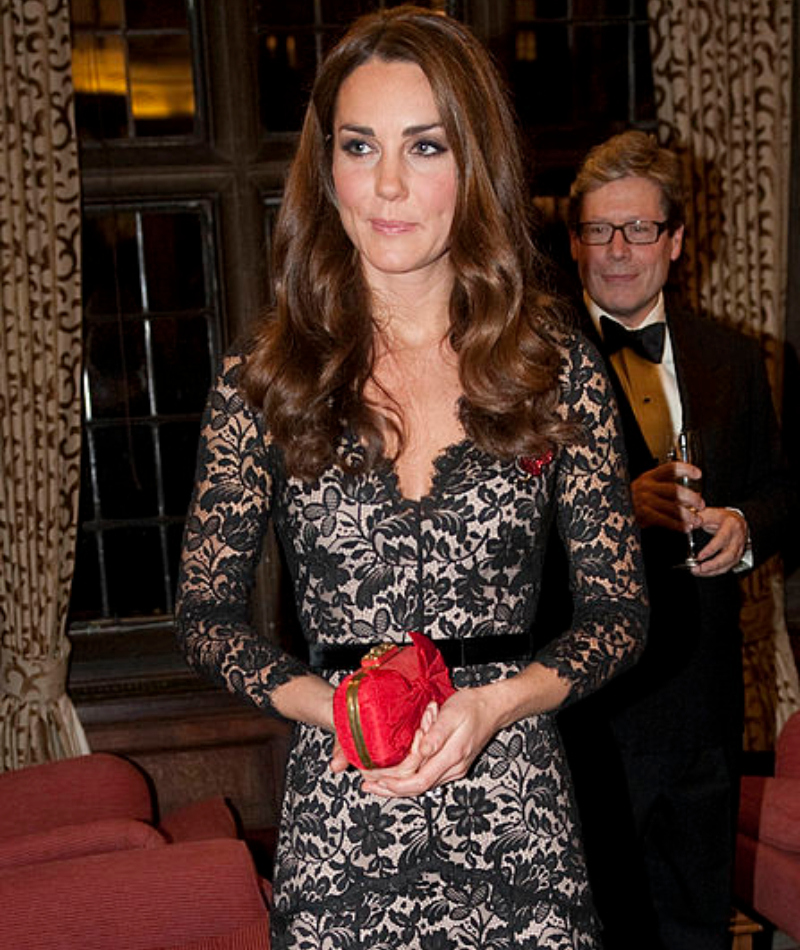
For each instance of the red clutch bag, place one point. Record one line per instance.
(377, 709)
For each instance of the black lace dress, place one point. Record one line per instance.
(490, 861)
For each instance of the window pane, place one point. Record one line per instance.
(595, 9)
(96, 12)
(136, 573)
(285, 13)
(111, 274)
(116, 370)
(126, 472)
(546, 9)
(101, 86)
(173, 256)
(287, 64)
(644, 93)
(542, 75)
(86, 590)
(345, 11)
(179, 457)
(181, 364)
(162, 92)
(607, 100)
(155, 14)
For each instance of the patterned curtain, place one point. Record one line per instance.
(40, 352)
(723, 98)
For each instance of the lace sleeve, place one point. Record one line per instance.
(596, 524)
(222, 544)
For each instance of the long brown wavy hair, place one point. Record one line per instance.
(313, 353)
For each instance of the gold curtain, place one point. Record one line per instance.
(723, 72)
(40, 354)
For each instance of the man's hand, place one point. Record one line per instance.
(660, 501)
(727, 545)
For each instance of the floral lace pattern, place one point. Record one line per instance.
(492, 860)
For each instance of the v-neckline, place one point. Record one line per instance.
(443, 463)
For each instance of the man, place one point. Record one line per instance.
(654, 754)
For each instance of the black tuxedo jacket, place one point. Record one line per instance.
(686, 691)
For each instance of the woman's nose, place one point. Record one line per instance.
(390, 178)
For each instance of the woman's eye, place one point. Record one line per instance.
(429, 147)
(356, 147)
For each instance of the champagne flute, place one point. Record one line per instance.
(687, 449)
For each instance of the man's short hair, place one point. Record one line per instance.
(631, 154)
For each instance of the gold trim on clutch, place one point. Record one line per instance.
(354, 717)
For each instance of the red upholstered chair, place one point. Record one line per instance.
(200, 895)
(73, 791)
(768, 840)
(84, 866)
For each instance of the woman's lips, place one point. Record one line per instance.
(391, 227)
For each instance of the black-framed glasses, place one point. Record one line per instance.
(634, 232)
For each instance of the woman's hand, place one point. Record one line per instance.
(451, 736)
(411, 762)
(444, 747)
(338, 762)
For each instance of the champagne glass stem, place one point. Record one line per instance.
(687, 450)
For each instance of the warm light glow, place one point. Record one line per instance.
(159, 88)
(98, 65)
(162, 89)
(291, 52)
(526, 46)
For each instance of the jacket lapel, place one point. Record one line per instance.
(639, 456)
(696, 370)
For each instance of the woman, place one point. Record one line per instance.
(413, 417)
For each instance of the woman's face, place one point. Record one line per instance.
(394, 173)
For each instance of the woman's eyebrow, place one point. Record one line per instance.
(410, 130)
(419, 129)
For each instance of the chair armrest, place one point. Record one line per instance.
(75, 841)
(201, 895)
(71, 792)
(780, 814)
(787, 751)
(212, 818)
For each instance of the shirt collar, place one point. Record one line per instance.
(656, 315)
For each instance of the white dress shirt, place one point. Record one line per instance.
(651, 388)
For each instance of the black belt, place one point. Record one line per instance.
(469, 652)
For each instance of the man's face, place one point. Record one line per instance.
(623, 279)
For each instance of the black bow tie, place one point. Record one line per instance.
(647, 342)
